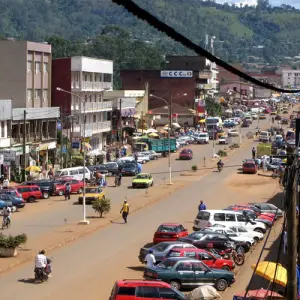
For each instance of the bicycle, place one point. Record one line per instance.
(6, 222)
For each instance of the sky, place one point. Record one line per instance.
(295, 3)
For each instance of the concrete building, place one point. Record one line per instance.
(290, 78)
(25, 73)
(86, 78)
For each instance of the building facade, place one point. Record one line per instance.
(290, 78)
(86, 79)
(25, 74)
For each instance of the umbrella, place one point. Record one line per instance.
(266, 269)
(206, 292)
(33, 169)
(151, 130)
(202, 121)
(258, 294)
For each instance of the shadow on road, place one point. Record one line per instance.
(277, 200)
(118, 223)
(26, 280)
(137, 268)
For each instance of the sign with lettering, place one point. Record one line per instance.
(176, 74)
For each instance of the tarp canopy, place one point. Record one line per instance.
(261, 294)
(205, 292)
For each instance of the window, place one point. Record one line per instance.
(174, 254)
(126, 291)
(3, 129)
(219, 217)
(37, 94)
(94, 118)
(35, 189)
(85, 77)
(45, 94)
(45, 67)
(29, 94)
(107, 78)
(64, 173)
(73, 172)
(230, 217)
(74, 181)
(205, 256)
(190, 254)
(185, 267)
(150, 292)
(241, 218)
(37, 67)
(167, 293)
(29, 66)
(203, 215)
(198, 267)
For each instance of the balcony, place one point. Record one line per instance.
(4, 142)
(91, 86)
(93, 106)
(128, 102)
(93, 128)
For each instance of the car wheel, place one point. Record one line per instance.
(80, 191)
(258, 230)
(46, 195)
(175, 284)
(226, 268)
(31, 199)
(256, 239)
(221, 285)
(61, 193)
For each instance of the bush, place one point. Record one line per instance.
(222, 153)
(194, 168)
(12, 241)
(233, 146)
(102, 206)
(77, 161)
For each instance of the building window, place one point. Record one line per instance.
(45, 94)
(29, 66)
(45, 67)
(85, 77)
(37, 67)
(29, 95)
(38, 94)
(107, 78)
(2, 129)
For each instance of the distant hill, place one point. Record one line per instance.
(242, 33)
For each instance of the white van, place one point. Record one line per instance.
(265, 137)
(202, 138)
(208, 218)
(76, 172)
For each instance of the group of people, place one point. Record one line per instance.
(118, 153)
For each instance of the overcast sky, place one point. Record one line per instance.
(295, 3)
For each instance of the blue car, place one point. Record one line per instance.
(4, 204)
(17, 202)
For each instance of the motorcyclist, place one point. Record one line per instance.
(43, 263)
(6, 215)
(220, 164)
(118, 177)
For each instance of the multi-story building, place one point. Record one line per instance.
(25, 73)
(84, 79)
(290, 78)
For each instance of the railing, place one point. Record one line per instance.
(97, 106)
(89, 85)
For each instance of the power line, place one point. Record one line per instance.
(144, 15)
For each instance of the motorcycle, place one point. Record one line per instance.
(231, 254)
(42, 274)
(117, 181)
(220, 167)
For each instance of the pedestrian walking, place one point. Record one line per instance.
(125, 211)
(68, 191)
(253, 152)
(150, 259)
(285, 242)
(201, 206)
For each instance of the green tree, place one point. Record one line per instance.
(102, 206)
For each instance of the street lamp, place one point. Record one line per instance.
(169, 131)
(84, 221)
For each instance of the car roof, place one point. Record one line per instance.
(140, 282)
(188, 249)
(182, 258)
(27, 186)
(169, 224)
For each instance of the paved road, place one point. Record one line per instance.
(88, 268)
(46, 216)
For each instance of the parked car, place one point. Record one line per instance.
(202, 138)
(135, 289)
(17, 202)
(76, 172)
(223, 140)
(129, 169)
(151, 154)
(183, 272)
(169, 232)
(144, 180)
(11, 191)
(259, 214)
(4, 204)
(92, 193)
(112, 168)
(262, 116)
(160, 250)
(233, 133)
(60, 186)
(249, 166)
(46, 186)
(268, 208)
(30, 193)
(98, 168)
(186, 154)
(228, 124)
(211, 260)
(142, 157)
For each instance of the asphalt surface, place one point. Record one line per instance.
(87, 268)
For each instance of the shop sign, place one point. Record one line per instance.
(8, 155)
(1, 159)
(76, 145)
(176, 74)
(19, 150)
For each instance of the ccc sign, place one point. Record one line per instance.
(176, 74)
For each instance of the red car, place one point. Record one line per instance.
(169, 232)
(249, 167)
(186, 154)
(266, 216)
(208, 258)
(30, 192)
(60, 186)
(136, 289)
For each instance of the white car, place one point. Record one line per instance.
(223, 140)
(231, 234)
(233, 132)
(254, 116)
(142, 158)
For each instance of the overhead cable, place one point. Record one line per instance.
(142, 14)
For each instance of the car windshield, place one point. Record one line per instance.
(60, 182)
(166, 228)
(161, 247)
(249, 165)
(142, 176)
(129, 166)
(196, 235)
(92, 190)
(167, 264)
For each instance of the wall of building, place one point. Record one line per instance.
(88, 64)
(13, 72)
(61, 77)
(188, 63)
(160, 87)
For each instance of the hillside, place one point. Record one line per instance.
(238, 31)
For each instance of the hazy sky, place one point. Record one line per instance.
(295, 3)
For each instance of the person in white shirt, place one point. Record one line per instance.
(6, 215)
(150, 259)
(5, 183)
(41, 260)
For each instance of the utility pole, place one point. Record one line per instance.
(71, 137)
(24, 146)
(142, 121)
(292, 232)
(120, 121)
(61, 140)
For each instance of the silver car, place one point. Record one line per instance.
(269, 208)
(160, 250)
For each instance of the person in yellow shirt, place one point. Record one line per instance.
(125, 211)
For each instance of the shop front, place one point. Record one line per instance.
(44, 154)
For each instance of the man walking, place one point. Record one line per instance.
(201, 206)
(150, 259)
(253, 152)
(125, 211)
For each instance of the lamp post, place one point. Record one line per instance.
(84, 221)
(169, 131)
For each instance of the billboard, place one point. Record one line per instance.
(176, 74)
